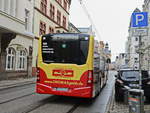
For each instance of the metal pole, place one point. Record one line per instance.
(148, 60)
(140, 77)
(140, 71)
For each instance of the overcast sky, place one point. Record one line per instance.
(111, 18)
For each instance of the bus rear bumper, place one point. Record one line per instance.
(85, 92)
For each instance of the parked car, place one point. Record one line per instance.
(130, 78)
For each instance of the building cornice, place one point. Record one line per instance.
(70, 24)
(61, 27)
(24, 33)
(12, 17)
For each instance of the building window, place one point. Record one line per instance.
(52, 11)
(65, 4)
(136, 59)
(42, 28)
(136, 39)
(1, 5)
(22, 60)
(13, 7)
(64, 21)
(136, 46)
(51, 30)
(6, 6)
(57, 31)
(44, 6)
(27, 19)
(58, 17)
(10, 59)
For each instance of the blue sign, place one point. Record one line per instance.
(139, 19)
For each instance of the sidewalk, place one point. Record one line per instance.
(13, 83)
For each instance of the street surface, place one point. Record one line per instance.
(23, 99)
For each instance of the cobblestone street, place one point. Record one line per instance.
(121, 107)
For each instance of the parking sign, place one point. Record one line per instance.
(139, 19)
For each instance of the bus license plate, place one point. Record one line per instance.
(62, 89)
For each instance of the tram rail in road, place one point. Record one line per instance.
(42, 103)
(8, 86)
(12, 99)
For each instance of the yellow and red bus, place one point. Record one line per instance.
(69, 64)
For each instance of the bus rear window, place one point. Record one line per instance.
(65, 49)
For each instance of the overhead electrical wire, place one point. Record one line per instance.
(90, 19)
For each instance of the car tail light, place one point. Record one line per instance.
(90, 77)
(120, 81)
(148, 83)
(38, 74)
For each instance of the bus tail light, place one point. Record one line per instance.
(38, 74)
(90, 77)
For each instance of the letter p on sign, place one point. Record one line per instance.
(139, 19)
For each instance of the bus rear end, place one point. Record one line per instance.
(65, 65)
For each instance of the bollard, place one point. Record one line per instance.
(126, 96)
(136, 101)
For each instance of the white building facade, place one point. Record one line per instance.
(16, 38)
(146, 39)
(120, 61)
(132, 47)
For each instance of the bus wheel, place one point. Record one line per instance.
(99, 89)
(97, 94)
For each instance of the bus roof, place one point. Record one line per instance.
(73, 34)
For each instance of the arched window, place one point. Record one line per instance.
(57, 31)
(22, 60)
(10, 59)
(44, 6)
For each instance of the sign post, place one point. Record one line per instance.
(139, 22)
